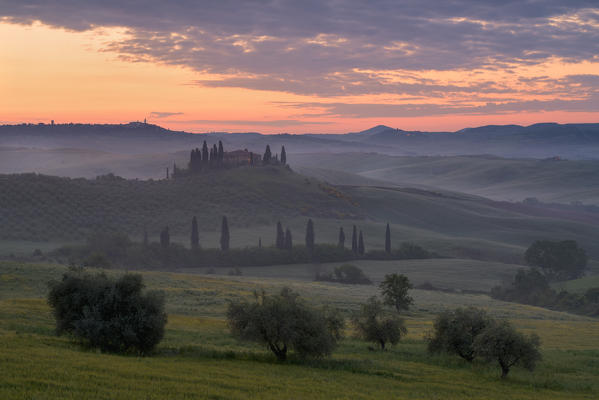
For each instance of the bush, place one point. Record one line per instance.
(284, 322)
(113, 315)
(502, 343)
(346, 273)
(455, 331)
(373, 326)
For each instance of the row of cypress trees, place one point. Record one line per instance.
(283, 241)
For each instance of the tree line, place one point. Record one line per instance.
(104, 249)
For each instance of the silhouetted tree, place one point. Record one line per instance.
(283, 156)
(288, 240)
(341, 242)
(259, 242)
(280, 241)
(224, 235)
(361, 249)
(221, 151)
(388, 240)
(354, 240)
(267, 155)
(205, 153)
(251, 158)
(310, 236)
(165, 238)
(195, 237)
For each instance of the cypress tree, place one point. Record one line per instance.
(205, 153)
(215, 152)
(288, 240)
(224, 235)
(354, 240)
(195, 237)
(283, 156)
(165, 238)
(280, 242)
(388, 240)
(211, 156)
(221, 151)
(341, 243)
(310, 236)
(361, 244)
(267, 155)
(259, 242)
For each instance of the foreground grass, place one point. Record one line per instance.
(198, 358)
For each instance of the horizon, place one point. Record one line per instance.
(331, 67)
(54, 123)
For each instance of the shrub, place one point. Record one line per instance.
(455, 331)
(113, 315)
(373, 326)
(284, 322)
(502, 343)
(346, 273)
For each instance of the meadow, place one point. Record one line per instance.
(199, 359)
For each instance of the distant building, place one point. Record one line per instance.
(240, 157)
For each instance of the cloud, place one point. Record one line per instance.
(273, 123)
(163, 114)
(335, 48)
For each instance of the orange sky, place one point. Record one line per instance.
(49, 73)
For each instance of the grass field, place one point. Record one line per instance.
(198, 358)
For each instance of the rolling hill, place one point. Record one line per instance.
(549, 180)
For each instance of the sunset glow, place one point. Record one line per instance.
(258, 78)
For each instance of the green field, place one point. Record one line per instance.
(198, 358)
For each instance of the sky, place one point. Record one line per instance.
(326, 66)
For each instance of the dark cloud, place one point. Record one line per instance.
(274, 123)
(328, 47)
(163, 114)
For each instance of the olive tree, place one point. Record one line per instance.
(285, 322)
(455, 331)
(394, 289)
(114, 315)
(502, 343)
(373, 325)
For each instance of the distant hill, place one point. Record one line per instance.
(575, 141)
(549, 180)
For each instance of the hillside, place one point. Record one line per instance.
(560, 181)
(38, 207)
